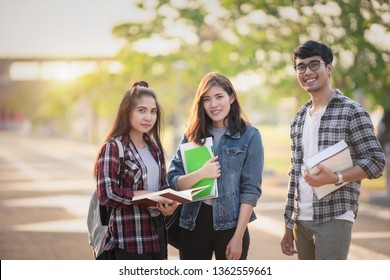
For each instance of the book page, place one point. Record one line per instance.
(337, 159)
(325, 154)
(167, 195)
(338, 162)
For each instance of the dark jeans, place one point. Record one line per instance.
(203, 241)
(121, 254)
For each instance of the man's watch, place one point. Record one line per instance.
(340, 180)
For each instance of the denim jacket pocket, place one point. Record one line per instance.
(233, 162)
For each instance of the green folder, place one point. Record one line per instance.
(194, 157)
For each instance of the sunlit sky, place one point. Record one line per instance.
(35, 28)
(80, 28)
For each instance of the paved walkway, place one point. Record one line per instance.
(45, 187)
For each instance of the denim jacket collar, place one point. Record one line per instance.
(236, 135)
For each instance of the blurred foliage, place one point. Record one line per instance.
(259, 36)
(254, 37)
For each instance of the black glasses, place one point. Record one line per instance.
(313, 65)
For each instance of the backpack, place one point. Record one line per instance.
(98, 217)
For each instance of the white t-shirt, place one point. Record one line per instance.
(153, 171)
(310, 147)
(152, 176)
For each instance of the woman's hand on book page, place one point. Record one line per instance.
(324, 177)
(211, 169)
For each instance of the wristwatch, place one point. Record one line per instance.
(340, 180)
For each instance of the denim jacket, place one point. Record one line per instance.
(241, 157)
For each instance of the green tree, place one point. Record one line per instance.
(259, 36)
(180, 41)
(202, 40)
(356, 30)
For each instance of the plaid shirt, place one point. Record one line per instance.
(130, 226)
(343, 119)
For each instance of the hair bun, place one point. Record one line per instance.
(141, 84)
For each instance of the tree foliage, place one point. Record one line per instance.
(180, 41)
(259, 36)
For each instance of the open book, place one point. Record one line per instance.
(336, 157)
(167, 195)
(194, 157)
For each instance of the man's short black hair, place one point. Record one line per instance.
(313, 48)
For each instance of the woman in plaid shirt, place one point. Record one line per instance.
(135, 232)
(321, 228)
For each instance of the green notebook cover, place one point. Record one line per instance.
(194, 157)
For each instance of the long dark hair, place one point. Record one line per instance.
(122, 126)
(199, 123)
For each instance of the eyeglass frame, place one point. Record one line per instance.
(308, 65)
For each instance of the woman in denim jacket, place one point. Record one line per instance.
(219, 225)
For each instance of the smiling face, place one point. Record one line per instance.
(143, 116)
(217, 102)
(314, 80)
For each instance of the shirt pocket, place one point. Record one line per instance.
(334, 131)
(133, 175)
(234, 159)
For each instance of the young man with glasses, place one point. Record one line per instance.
(321, 228)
